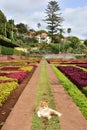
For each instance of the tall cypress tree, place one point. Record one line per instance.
(3, 21)
(53, 18)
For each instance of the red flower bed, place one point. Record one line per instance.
(18, 75)
(76, 75)
(3, 74)
(82, 65)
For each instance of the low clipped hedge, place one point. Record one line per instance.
(27, 68)
(84, 90)
(78, 97)
(7, 50)
(4, 79)
(20, 76)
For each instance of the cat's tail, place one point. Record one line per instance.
(55, 113)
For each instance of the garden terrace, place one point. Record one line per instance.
(13, 74)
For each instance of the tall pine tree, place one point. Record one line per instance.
(53, 18)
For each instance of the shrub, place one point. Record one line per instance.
(20, 76)
(76, 75)
(5, 90)
(7, 50)
(27, 68)
(84, 90)
(4, 79)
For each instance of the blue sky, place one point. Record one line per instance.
(72, 3)
(31, 12)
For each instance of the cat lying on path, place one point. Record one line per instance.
(44, 111)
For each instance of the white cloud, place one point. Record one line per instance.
(76, 20)
(28, 11)
(31, 12)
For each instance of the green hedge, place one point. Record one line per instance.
(84, 90)
(7, 50)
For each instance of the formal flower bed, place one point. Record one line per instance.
(6, 89)
(20, 76)
(3, 73)
(27, 68)
(76, 75)
(84, 65)
(11, 75)
(67, 61)
(33, 60)
(10, 68)
(4, 79)
(13, 63)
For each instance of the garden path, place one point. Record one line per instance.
(21, 116)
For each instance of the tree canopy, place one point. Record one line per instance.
(53, 18)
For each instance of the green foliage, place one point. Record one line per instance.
(22, 28)
(77, 96)
(23, 53)
(54, 48)
(81, 48)
(53, 18)
(85, 42)
(7, 51)
(68, 30)
(84, 90)
(73, 41)
(17, 52)
(3, 21)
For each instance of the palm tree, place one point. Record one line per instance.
(69, 31)
(38, 25)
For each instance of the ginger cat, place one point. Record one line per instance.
(44, 111)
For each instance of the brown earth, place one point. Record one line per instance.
(20, 117)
